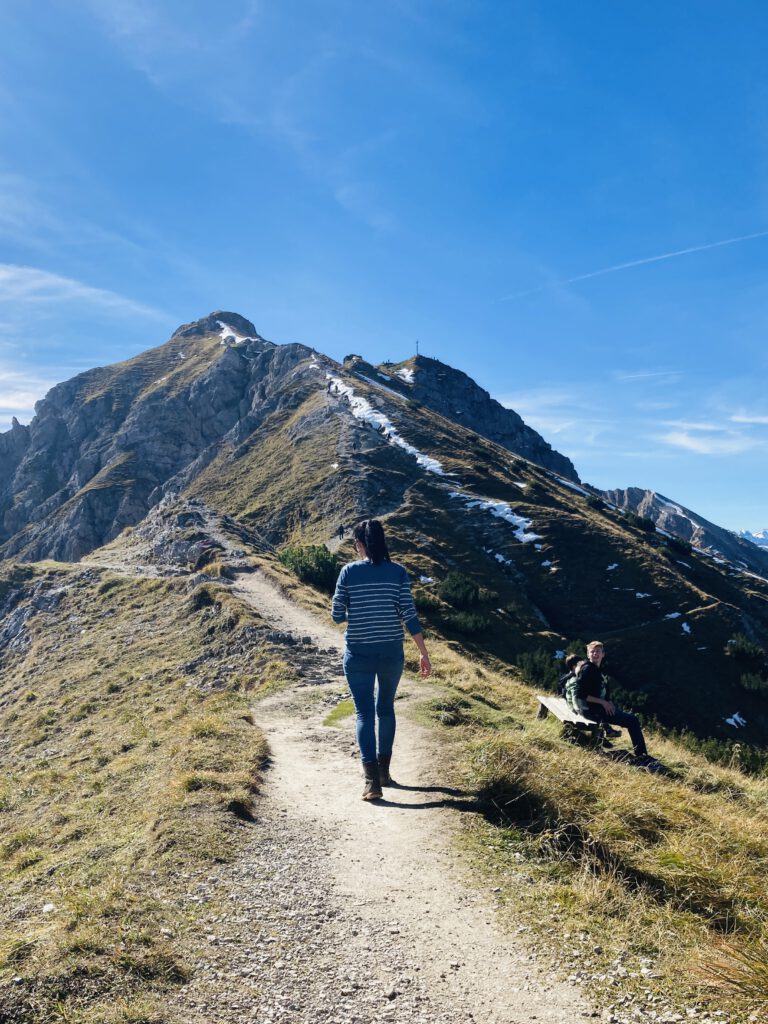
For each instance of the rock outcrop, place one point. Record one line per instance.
(679, 521)
(456, 396)
(106, 445)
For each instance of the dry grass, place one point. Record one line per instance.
(666, 870)
(122, 770)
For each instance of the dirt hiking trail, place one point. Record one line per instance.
(350, 912)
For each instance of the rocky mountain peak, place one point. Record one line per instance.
(454, 394)
(673, 518)
(214, 323)
(760, 538)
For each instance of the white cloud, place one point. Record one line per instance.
(694, 425)
(661, 376)
(19, 390)
(758, 419)
(31, 287)
(732, 444)
(560, 412)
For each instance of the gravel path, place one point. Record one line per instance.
(352, 912)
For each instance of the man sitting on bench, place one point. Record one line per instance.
(591, 699)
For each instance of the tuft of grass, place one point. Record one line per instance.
(343, 710)
(742, 970)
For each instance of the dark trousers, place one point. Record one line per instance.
(623, 719)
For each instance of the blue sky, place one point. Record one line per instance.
(356, 176)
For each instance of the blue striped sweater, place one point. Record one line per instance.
(374, 600)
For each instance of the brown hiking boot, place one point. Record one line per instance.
(372, 789)
(384, 777)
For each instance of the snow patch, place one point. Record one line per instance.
(736, 720)
(405, 374)
(381, 387)
(364, 411)
(426, 579)
(754, 576)
(501, 510)
(610, 568)
(686, 628)
(558, 655)
(572, 486)
(640, 595)
(228, 332)
(546, 563)
(383, 375)
(673, 615)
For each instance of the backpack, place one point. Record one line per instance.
(562, 684)
(572, 693)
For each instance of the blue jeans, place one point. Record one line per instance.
(361, 673)
(623, 718)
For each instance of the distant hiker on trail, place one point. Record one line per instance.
(340, 531)
(373, 595)
(591, 698)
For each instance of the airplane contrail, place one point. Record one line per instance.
(636, 263)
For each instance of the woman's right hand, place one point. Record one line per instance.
(425, 666)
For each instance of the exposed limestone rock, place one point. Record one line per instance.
(457, 397)
(105, 446)
(674, 518)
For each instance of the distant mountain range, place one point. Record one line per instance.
(291, 445)
(761, 538)
(681, 522)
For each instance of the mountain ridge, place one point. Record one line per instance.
(137, 429)
(690, 527)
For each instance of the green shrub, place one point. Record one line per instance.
(677, 544)
(459, 590)
(642, 523)
(312, 563)
(754, 682)
(467, 623)
(540, 668)
(747, 758)
(425, 601)
(743, 650)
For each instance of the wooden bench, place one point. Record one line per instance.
(572, 721)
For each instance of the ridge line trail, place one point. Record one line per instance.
(370, 917)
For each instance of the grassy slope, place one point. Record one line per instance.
(604, 863)
(121, 768)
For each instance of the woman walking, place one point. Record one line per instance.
(373, 595)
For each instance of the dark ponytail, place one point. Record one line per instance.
(371, 533)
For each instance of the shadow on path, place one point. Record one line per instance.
(429, 789)
(472, 806)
